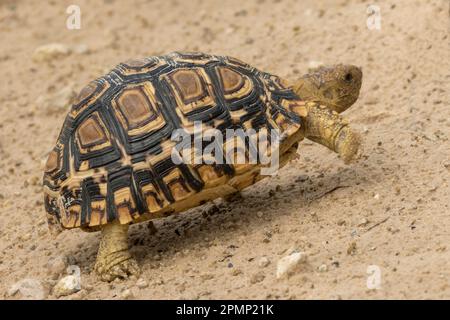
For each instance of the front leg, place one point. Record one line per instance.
(328, 128)
(113, 258)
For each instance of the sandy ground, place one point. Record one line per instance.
(390, 210)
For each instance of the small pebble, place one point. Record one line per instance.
(263, 262)
(257, 277)
(49, 52)
(363, 222)
(288, 264)
(314, 64)
(323, 268)
(67, 286)
(127, 294)
(141, 283)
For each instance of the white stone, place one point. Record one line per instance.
(288, 264)
(67, 286)
(49, 52)
(26, 237)
(323, 268)
(263, 262)
(314, 64)
(363, 222)
(127, 294)
(141, 283)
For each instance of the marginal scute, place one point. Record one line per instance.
(98, 213)
(237, 154)
(125, 205)
(231, 80)
(296, 106)
(72, 217)
(210, 176)
(90, 133)
(176, 184)
(188, 84)
(152, 198)
(178, 190)
(281, 121)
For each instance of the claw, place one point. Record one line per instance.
(348, 145)
(121, 270)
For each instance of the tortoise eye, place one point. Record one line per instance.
(348, 77)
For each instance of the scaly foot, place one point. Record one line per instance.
(113, 258)
(348, 144)
(116, 266)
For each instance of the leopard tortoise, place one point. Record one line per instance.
(112, 164)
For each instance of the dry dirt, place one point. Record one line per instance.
(391, 209)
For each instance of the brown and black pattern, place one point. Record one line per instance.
(112, 160)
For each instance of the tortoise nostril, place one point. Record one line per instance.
(348, 77)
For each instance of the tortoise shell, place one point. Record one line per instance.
(112, 160)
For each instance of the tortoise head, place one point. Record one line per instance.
(334, 86)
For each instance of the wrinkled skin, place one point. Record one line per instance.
(336, 87)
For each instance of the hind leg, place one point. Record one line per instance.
(113, 258)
